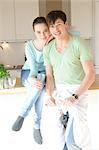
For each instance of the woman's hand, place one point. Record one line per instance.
(50, 101)
(35, 82)
(38, 84)
(49, 39)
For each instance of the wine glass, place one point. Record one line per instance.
(12, 81)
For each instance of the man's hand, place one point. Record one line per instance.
(70, 100)
(50, 101)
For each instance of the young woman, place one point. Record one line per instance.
(33, 76)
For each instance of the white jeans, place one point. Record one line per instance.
(77, 135)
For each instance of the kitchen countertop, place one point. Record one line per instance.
(14, 67)
(95, 85)
(17, 89)
(21, 89)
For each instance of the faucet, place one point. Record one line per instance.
(1, 47)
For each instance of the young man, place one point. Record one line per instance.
(33, 77)
(69, 68)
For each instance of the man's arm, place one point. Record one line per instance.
(86, 83)
(49, 80)
(89, 77)
(49, 84)
(88, 67)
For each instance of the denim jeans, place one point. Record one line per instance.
(70, 142)
(34, 99)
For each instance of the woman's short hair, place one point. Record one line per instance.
(52, 16)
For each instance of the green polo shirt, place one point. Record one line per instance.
(67, 66)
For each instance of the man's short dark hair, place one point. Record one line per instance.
(52, 16)
(39, 20)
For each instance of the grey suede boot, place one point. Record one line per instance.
(37, 136)
(18, 124)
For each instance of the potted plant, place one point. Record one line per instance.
(4, 74)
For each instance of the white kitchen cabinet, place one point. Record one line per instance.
(7, 24)
(16, 19)
(96, 52)
(81, 17)
(25, 12)
(97, 33)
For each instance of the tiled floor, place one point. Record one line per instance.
(10, 105)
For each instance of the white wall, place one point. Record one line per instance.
(13, 54)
